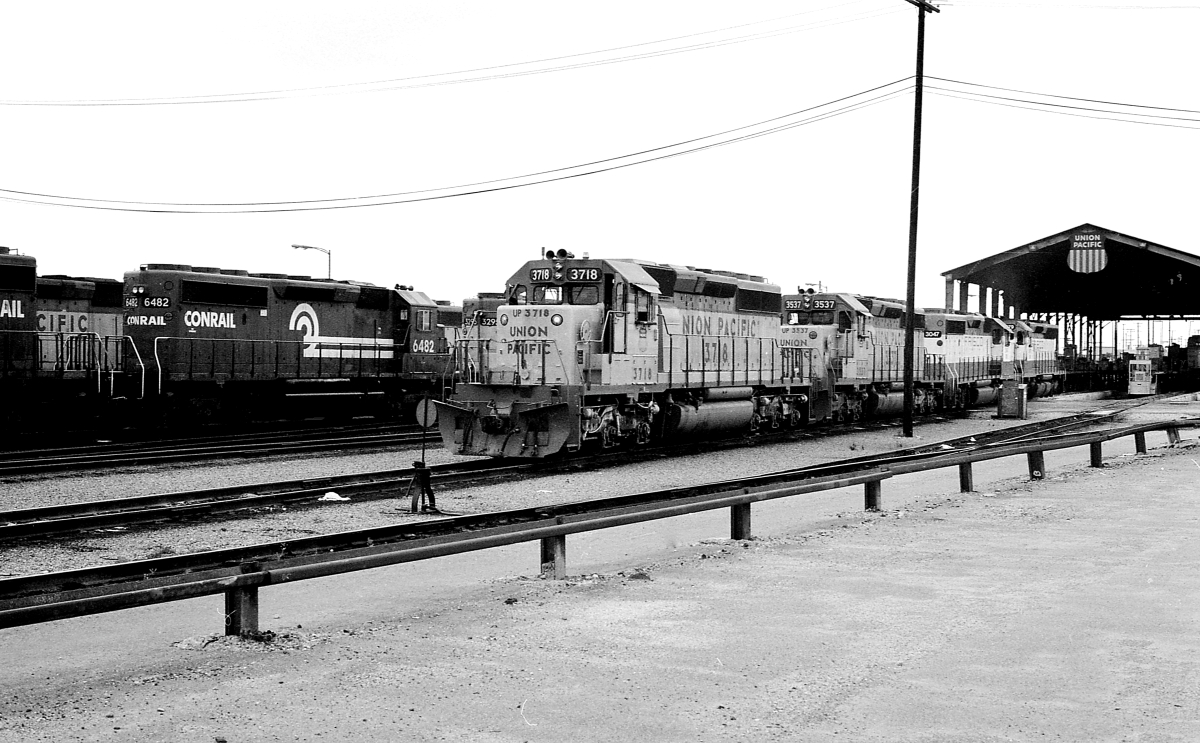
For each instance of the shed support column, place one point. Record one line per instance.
(554, 557)
(966, 480)
(874, 496)
(949, 292)
(1037, 465)
(964, 295)
(1172, 436)
(995, 301)
(1139, 442)
(1097, 454)
(241, 607)
(739, 522)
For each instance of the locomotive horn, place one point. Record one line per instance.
(564, 254)
(550, 255)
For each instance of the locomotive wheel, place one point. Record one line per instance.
(609, 435)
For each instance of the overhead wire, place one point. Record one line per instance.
(1086, 112)
(500, 184)
(742, 133)
(1064, 97)
(407, 83)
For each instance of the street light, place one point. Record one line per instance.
(328, 257)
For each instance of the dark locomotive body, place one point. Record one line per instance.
(219, 343)
(61, 346)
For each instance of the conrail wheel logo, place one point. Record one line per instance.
(304, 319)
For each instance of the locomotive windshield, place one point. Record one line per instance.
(18, 278)
(810, 318)
(553, 294)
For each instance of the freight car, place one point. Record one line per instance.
(628, 350)
(221, 344)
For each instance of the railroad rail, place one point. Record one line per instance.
(37, 461)
(169, 507)
(239, 573)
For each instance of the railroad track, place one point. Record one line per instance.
(239, 572)
(201, 504)
(38, 461)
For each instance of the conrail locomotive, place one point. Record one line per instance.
(177, 344)
(610, 351)
(212, 338)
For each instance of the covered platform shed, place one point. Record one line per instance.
(1086, 280)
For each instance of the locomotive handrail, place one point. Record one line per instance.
(141, 366)
(704, 371)
(373, 353)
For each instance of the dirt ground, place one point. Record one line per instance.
(1067, 609)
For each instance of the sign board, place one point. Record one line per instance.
(1087, 253)
(427, 413)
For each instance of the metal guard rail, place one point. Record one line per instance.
(240, 581)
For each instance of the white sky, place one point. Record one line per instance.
(823, 202)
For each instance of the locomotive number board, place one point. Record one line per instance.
(571, 274)
(817, 304)
(147, 302)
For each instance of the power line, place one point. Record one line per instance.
(429, 80)
(781, 123)
(1064, 97)
(1042, 107)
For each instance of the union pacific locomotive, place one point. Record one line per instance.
(628, 350)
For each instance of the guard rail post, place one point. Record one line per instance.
(1097, 453)
(873, 500)
(554, 557)
(1139, 441)
(241, 606)
(739, 521)
(1172, 435)
(966, 480)
(1037, 465)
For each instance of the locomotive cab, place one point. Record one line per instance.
(564, 324)
(18, 321)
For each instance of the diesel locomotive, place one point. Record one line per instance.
(218, 340)
(61, 345)
(610, 351)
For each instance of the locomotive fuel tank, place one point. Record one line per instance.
(709, 417)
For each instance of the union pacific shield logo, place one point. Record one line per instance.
(1087, 254)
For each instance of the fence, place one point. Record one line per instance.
(240, 582)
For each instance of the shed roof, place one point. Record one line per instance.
(1093, 271)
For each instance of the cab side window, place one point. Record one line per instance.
(424, 320)
(643, 305)
(844, 321)
(520, 295)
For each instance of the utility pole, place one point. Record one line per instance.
(911, 315)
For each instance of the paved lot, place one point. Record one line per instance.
(1067, 609)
